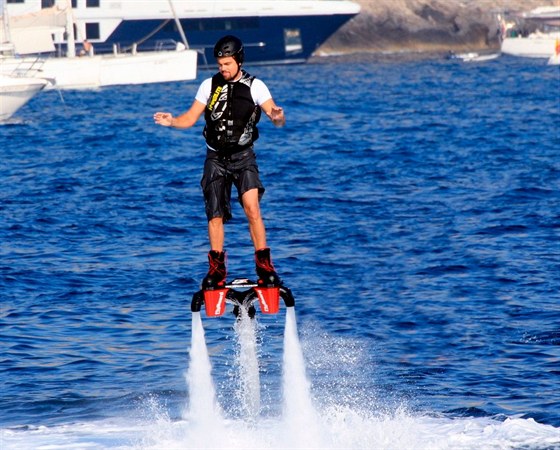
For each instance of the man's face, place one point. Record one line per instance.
(228, 67)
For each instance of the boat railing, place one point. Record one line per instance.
(30, 66)
(119, 48)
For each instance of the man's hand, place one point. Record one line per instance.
(163, 118)
(277, 116)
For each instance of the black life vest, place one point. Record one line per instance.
(231, 114)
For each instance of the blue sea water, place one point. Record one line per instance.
(412, 206)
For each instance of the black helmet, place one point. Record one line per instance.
(230, 46)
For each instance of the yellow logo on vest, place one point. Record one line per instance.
(214, 98)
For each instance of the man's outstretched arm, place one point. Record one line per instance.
(185, 120)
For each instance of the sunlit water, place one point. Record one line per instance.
(412, 207)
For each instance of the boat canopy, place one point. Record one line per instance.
(32, 33)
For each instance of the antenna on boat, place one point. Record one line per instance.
(6, 44)
(178, 23)
(5, 21)
(70, 38)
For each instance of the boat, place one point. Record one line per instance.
(15, 92)
(531, 34)
(273, 32)
(554, 60)
(121, 69)
(35, 53)
(472, 56)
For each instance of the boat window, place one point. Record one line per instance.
(16, 1)
(45, 3)
(232, 23)
(292, 41)
(92, 30)
(92, 3)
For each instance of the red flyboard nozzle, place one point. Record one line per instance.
(269, 299)
(215, 302)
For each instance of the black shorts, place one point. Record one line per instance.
(223, 171)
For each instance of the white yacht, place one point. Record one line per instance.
(273, 31)
(533, 34)
(15, 92)
(29, 50)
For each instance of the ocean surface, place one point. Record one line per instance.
(412, 206)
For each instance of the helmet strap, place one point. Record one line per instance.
(238, 70)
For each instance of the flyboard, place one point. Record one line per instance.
(242, 293)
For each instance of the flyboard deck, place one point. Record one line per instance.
(242, 293)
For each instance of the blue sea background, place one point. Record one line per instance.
(412, 206)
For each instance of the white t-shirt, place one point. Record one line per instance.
(259, 91)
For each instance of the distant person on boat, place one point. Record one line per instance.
(232, 102)
(87, 48)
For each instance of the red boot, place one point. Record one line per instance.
(216, 276)
(265, 269)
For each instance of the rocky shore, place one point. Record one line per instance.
(412, 26)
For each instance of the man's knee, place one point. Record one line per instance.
(250, 201)
(253, 211)
(216, 221)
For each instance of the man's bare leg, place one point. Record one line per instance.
(216, 234)
(252, 209)
(265, 269)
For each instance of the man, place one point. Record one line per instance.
(231, 101)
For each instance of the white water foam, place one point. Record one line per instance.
(248, 392)
(344, 429)
(300, 417)
(204, 412)
(302, 423)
